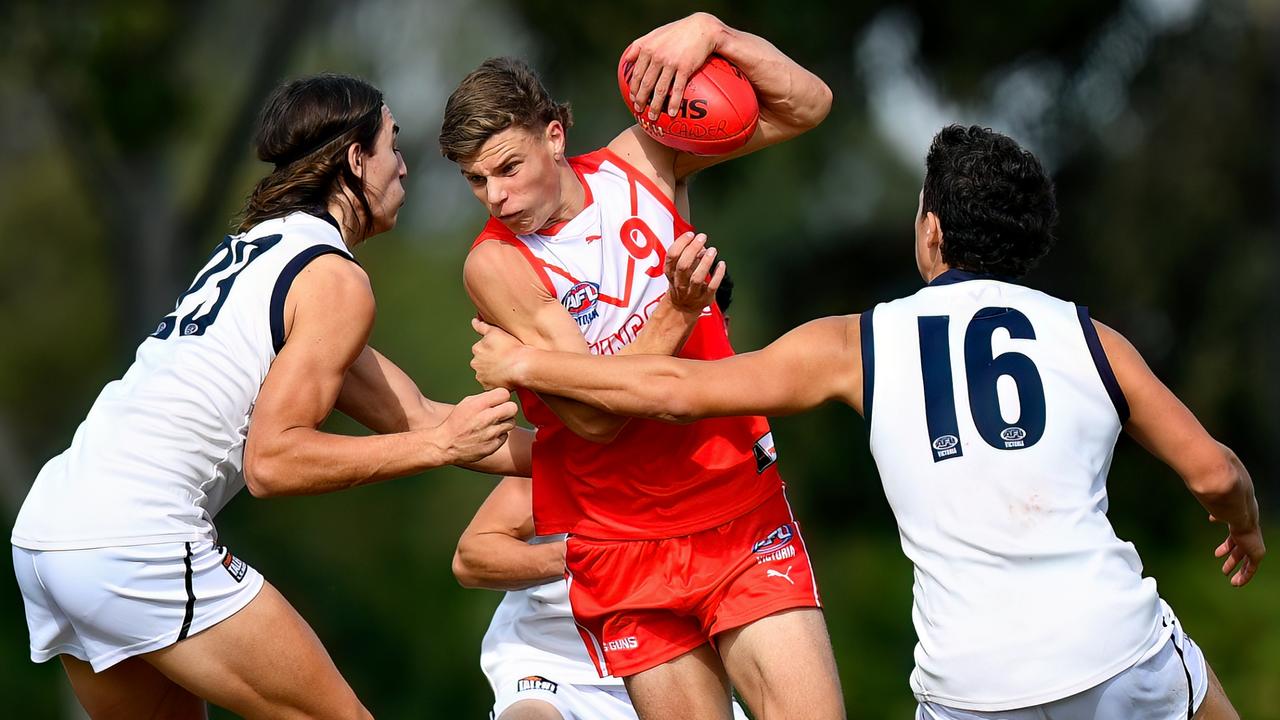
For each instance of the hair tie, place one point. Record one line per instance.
(313, 149)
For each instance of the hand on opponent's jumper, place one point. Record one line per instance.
(495, 356)
(477, 426)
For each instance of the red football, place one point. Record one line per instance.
(718, 113)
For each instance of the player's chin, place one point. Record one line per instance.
(516, 222)
(394, 214)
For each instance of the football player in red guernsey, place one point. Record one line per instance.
(687, 571)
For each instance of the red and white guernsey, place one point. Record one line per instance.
(655, 480)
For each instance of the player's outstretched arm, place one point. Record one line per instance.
(379, 395)
(509, 294)
(328, 316)
(817, 362)
(792, 99)
(1165, 427)
(492, 552)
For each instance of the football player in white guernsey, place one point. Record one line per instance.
(122, 573)
(996, 412)
(509, 139)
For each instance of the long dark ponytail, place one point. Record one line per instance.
(305, 129)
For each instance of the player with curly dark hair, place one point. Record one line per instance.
(993, 198)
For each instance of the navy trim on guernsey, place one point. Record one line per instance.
(955, 275)
(281, 290)
(1191, 689)
(868, 362)
(329, 218)
(191, 599)
(1104, 366)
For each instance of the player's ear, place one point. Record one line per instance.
(932, 231)
(554, 136)
(355, 159)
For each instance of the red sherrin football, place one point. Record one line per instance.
(718, 113)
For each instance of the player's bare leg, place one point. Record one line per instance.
(1216, 706)
(783, 667)
(531, 710)
(262, 662)
(691, 687)
(131, 689)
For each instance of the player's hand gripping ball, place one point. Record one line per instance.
(718, 113)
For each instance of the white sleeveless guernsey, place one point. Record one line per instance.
(162, 448)
(533, 633)
(993, 415)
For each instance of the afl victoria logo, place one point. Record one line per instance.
(581, 300)
(775, 540)
(945, 442)
(1013, 433)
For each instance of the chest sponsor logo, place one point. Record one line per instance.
(626, 643)
(582, 301)
(613, 343)
(766, 452)
(536, 682)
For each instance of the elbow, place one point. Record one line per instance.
(461, 570)
(823, 102)
(262, 475)
(601, 432)
(819, 106)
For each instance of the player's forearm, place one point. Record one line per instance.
(587, 422)
(305, 461)
(379, 395)
(789, 93)
(515, 457)
(1225, 489)
(665, 332)
(637, 386)
(497, 561)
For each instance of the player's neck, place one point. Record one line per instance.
(573, 197)
(931, 273)
(348, 226)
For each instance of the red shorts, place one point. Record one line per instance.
(640, 603)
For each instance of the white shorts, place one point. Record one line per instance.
(1168, 684)
(573, 702)
(108, 604)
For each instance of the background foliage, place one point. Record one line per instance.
(124, 131)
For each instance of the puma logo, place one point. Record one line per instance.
(784, 575)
